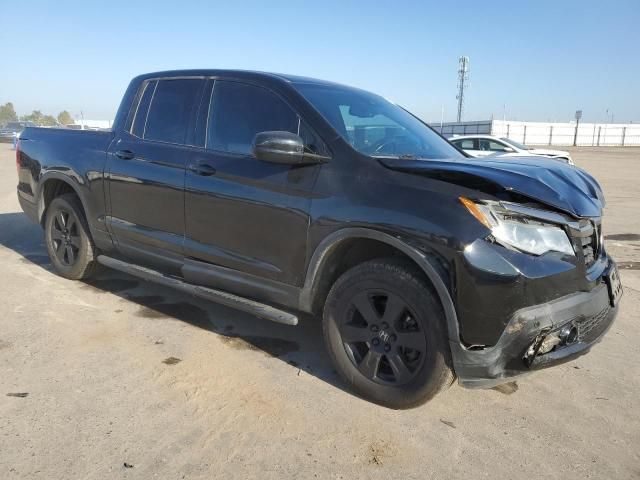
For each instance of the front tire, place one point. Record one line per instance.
(386, 334)
(68, 239)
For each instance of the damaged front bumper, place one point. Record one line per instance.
(540, 336)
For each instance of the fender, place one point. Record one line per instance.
(71, 180)
(322, 253)
(100, 235)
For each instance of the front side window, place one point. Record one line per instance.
(374, 126)
(239, 111)
(170, 114)
(466, 144)
(491, 146)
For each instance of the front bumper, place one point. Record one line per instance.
(517, 352)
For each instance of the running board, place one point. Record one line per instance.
(239, 303)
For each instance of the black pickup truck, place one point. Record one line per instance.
(278, 194)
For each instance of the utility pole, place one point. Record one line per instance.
(463, 77)
(575, 135)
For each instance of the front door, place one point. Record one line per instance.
(246, 215)
(491, 147)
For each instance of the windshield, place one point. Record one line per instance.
(515, 144)
(375, 126)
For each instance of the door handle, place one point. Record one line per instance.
(125, 154)
(204, 169)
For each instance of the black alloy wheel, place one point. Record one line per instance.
(386, 333)
(65, 238)
(68, 239)
(383, 338)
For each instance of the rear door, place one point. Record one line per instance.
(246, 215)
(146, 170)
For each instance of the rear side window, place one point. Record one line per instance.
(171, 114)
(140, 118)
(239, 111)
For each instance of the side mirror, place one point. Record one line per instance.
(282, 147)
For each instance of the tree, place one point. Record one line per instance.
(7, 113)
(49, 121)
(64, 118)
(39, 118)
(35, 117)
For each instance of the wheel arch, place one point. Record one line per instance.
(52, 185)
(321, 271)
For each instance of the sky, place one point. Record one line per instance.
(529, 60)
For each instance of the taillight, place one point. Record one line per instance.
(18, 155)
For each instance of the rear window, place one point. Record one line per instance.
(171, 114)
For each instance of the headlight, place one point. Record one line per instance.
(519, 231)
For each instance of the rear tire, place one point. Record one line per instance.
(68, 239)
(386, 334)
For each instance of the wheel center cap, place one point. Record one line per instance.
(384, 336)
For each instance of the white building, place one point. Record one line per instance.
(548, 133)
(84, 123)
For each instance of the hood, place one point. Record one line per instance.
(545, 180)
(545, 151)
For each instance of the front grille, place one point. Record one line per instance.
(588, 325)
(587, 240)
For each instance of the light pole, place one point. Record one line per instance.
(575, 135)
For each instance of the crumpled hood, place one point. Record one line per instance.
(548, 181)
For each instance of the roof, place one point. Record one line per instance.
(247, 74)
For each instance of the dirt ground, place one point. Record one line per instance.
(128, 380)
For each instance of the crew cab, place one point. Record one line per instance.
(278, 194)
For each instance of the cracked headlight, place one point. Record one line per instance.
(519, 231)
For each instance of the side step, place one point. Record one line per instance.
(250, 306)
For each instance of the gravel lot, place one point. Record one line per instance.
(130, 380)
